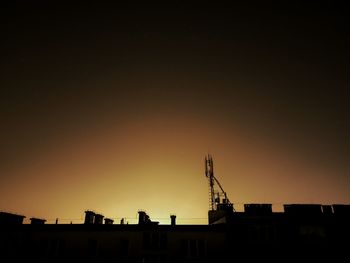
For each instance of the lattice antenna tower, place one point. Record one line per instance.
(216, 196)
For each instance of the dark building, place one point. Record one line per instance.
(303, 232)
(300, 232)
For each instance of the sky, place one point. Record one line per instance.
(114, 107)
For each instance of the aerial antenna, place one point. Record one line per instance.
(217, 197)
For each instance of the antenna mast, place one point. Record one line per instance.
(209, 173)
(217, 197)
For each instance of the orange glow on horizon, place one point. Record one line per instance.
(114, 109)
(157, 166)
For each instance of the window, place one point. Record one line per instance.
(194, 248)
(155, 240)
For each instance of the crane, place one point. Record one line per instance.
(218, 199)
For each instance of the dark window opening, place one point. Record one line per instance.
(155, 240)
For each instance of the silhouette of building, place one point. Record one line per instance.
(301, 232)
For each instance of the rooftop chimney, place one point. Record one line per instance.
(89, 217)
(142, 217)
(109, 221)
(173, 220)
(98, 219)
(37, 221)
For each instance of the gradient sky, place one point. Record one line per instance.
(113, 108)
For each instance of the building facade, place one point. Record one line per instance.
(300, 232)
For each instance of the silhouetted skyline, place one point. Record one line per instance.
(113, 107)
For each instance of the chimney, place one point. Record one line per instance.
(173, 220)
(37, 221)
(109, 221)
(142, 217)
(98, 219)
(89, 217)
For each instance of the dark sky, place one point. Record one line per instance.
(271, 79)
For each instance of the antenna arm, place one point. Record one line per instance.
(217, 181)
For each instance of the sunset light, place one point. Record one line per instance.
(114, 109)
